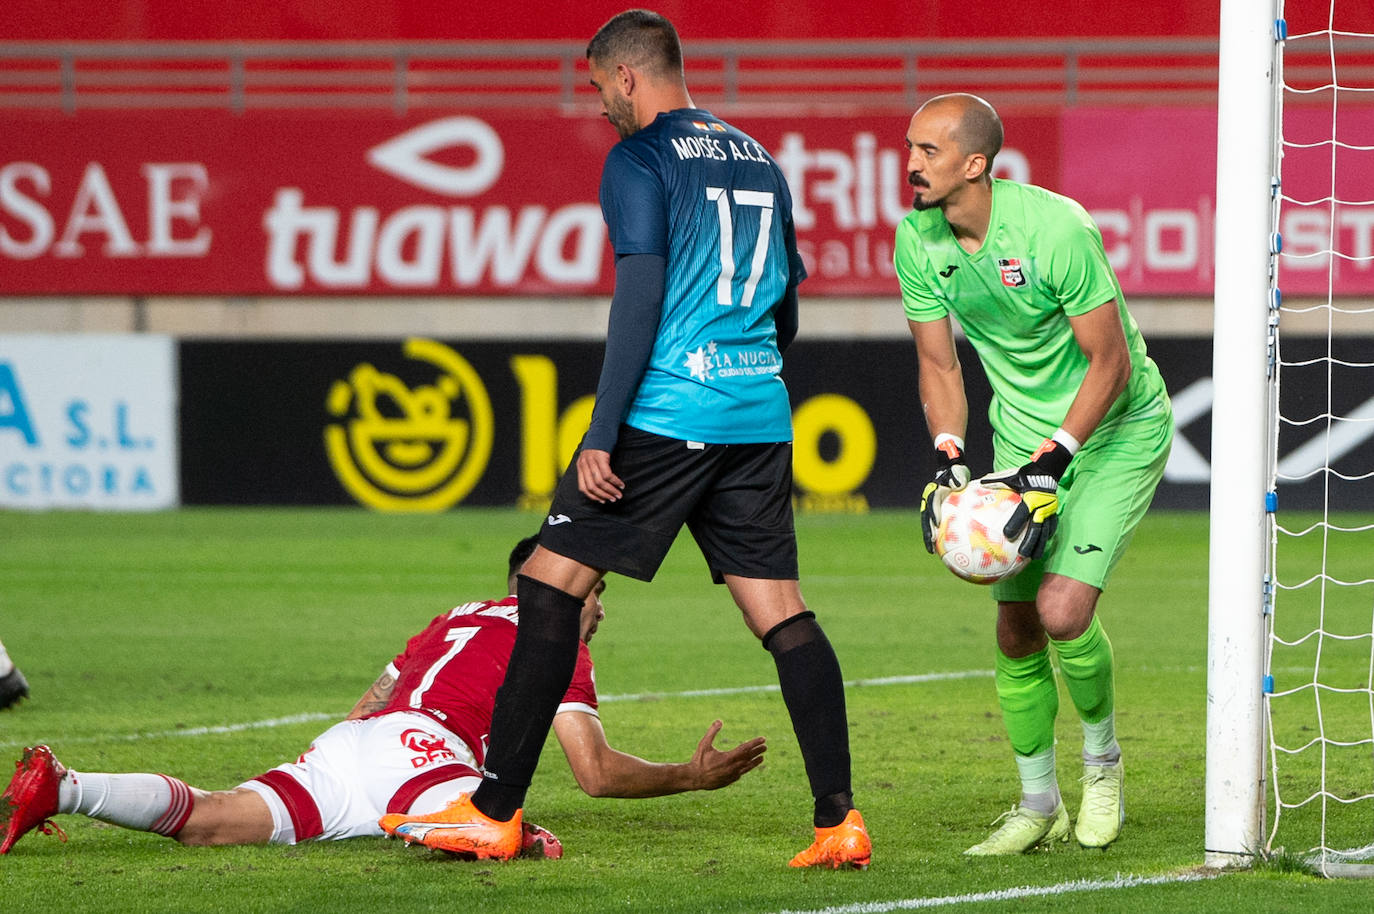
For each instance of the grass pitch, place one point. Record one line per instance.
(214, 644)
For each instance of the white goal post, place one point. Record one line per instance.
(1240, 434)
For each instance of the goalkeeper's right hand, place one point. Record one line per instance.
(951, 474)
(1038, 483)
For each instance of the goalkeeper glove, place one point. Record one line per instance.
(951, 474)
(1038, 483)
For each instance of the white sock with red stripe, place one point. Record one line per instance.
(146, 802)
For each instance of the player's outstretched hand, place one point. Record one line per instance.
(595, 478)
(716, 769)
(951, 475)
(1038, 483)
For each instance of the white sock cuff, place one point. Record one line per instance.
(1099, 739)
(1037, 773)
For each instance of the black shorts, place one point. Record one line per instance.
(735, 498)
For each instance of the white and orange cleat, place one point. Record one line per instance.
(459, 828)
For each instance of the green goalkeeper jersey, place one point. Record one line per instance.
(1041, 263)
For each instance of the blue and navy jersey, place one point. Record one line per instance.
(709, 199)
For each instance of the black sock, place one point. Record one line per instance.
(831, 809)
(541, 666)
(813, 690)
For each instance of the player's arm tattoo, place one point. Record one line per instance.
(375, 698)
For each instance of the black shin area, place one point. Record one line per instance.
(541, 666)
(813, 690)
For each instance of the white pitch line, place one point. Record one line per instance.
(192, 731)
(751, 690)
(640, 696)
(1026, 891)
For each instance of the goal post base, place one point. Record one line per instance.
(1228, 860)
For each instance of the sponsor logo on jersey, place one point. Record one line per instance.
(1012, 276)
(560, 519)
(427, 747)
(948, 271)
(701, 362)
(1084, 550)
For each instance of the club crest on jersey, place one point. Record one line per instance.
(1012, 276)
(427, 747)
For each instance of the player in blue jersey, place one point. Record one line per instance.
(691, 426)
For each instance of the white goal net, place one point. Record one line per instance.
(1319, 576)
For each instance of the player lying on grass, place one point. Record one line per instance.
(412, 744)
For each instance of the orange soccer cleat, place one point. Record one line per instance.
(846, 844)
(31, 798)
(459, 828)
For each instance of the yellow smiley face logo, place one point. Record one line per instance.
(402, 448)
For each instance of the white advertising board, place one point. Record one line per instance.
(88, 421)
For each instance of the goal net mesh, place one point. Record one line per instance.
(1319, 663)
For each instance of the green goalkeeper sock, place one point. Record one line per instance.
(1030, 700)
(1087, 665)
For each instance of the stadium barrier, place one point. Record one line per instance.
(145, 422)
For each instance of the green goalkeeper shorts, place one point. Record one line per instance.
(1102, 498)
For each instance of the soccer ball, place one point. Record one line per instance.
(970, 540)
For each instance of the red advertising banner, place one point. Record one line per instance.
(1148, 177)
(1149, 181)
(212, 203)
(311, 203)
(299, 202)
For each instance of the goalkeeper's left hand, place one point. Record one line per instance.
(951, 475)
(1038, 483)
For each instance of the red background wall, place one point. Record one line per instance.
(559, 19)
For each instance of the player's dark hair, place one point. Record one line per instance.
(520, 554)
(639, 38)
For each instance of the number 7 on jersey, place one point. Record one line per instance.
(763, 200)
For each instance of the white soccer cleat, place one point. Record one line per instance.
(1104, 808)
(1023, 830)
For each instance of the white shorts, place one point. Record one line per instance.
(358, 770)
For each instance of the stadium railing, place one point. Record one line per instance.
(777, 76)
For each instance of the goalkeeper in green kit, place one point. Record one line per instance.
(1081, 427)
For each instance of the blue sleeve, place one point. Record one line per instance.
(633, 204)
(632, 328)
(786, 318)
(787, 315)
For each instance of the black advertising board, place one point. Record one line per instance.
(427, 425)
(424, 425)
